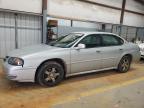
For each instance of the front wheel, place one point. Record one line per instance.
(50, 74)
(124, 64)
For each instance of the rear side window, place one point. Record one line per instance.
(111, 40)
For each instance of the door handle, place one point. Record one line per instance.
(98, 51)
(121, 49)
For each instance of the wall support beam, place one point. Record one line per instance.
(44, 21)
(122, 11)
(16, 32)
(71, 23)
(122, 15)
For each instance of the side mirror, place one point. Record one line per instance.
(81, 46)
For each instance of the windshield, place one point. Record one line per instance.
(67, 41)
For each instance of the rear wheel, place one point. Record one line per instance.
(124, 64)
(50, 74)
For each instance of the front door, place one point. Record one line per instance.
(89, 58)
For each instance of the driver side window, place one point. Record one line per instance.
(91, 41)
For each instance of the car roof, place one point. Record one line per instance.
(88, 33)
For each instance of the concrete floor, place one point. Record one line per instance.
(107, 89)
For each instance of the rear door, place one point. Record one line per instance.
(111, 51)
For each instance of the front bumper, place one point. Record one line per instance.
(19, 73)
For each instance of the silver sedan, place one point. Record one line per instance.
(76, 53)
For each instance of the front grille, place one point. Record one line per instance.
(11, 77)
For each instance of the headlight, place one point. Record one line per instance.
(16, 61)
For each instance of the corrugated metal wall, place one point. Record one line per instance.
(26, 29)
(68, 26)
(64, 30)
(29, 30)
(7, 33)
(140, 34)
(129, 33)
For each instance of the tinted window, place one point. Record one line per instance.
(91, 41)
(111, 40)
(67, 41)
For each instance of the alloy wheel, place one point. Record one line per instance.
(125, 64)
(51, 74)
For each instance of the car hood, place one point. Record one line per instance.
(31, 50)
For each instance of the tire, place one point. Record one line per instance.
(50, 74)
(124, 64)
